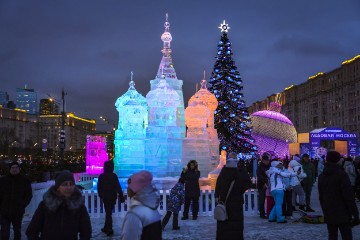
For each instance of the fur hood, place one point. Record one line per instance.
(53, 200)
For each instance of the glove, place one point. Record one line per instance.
(355, 221)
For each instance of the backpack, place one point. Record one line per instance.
(220, 213)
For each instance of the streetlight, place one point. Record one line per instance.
(62, 143)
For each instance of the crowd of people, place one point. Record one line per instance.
(284, 186)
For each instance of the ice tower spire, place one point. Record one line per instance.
(166, 61)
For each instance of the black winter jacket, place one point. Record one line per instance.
(57, 218)
(15, 195)
(336, 195)
(109, 186)
(233, 227)
(192, 187)
(261, 176)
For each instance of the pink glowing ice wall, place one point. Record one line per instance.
(95, 154)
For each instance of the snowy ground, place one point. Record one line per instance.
(255, 228)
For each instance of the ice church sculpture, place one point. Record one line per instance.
(201, 142)
(130, 136)
(151, 131)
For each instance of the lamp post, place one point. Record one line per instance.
(62, 131)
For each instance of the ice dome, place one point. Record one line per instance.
(273, 131)
(205, 96)
(196, 115)
(131, 97)
(166, 37)
(132, 108)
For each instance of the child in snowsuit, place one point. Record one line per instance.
(177, 198)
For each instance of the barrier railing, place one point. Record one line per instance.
(96, 209)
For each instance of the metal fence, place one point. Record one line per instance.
(96, 209)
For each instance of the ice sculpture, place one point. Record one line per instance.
(273, 131)
(130, 136)
(211, 102)
(163, 142)
(214, 174)
(167, 69)
(201, 141)
(95, 154)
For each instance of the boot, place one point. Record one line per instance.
(302, 208)
(309, 209)
(175, 222)
(110, 233)
(165, 220)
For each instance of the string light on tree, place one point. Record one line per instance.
(231, 117)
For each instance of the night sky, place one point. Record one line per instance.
(90, 47)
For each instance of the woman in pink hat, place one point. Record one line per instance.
(142, 221)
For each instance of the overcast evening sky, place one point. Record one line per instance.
(89, 47)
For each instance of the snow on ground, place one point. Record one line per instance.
(204, 228)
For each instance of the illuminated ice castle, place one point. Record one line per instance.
(151, 130)
(130, 136)
(201, 142)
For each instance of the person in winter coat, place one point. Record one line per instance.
(297, 190)
(233, 227)
(337, 198)
(350, 170)
(320, 165)
(109, 189)
(287, 201)
(62, 213)
(15, 195)
(176, 199)
(143, 220)
(191, 176)
(308, 182)
(261, 183)
(276, 175)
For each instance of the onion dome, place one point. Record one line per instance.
(196, 115)
(205, 96)
(131, 97)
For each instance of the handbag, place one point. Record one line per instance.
(220, 213)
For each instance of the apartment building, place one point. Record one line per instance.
(330, 99)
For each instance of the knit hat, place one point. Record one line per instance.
(294, 163)
(14, 163)
(140, 180)
(63, 176)
(305, 155)
(265, 157)
(275, 163)
(333, 156)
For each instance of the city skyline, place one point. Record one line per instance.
(89, 48)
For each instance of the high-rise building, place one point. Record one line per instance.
(330, 99)
(4, 98)
(26, 99)
(48, 106)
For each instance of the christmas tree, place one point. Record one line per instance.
(231, 116)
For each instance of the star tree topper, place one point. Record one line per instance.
(224, 27)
